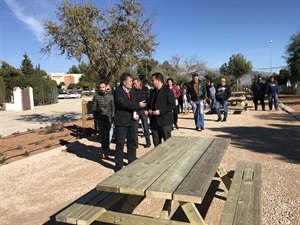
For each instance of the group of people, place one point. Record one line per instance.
(130, 102)
(269, 88)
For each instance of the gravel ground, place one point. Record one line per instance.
(34, 189)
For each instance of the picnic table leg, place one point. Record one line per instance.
(192, 213)
(165, 214)
(131, 203)
(223, 174)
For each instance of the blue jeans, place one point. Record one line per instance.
(225, 108)
(273, 97)
(198, 110)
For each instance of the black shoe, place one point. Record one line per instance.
(224, 120)
(148, 145)
(218, 120)
(176, 126)
(202, 128)
(197, 128)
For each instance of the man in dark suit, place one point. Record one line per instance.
(159, 108)
(126, 117)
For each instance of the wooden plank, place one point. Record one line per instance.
(227, 216)
(165, 213)
(192, 213)
(79, 210)
(131, 203)
(195, 185)
(83, 200)
(224, 176)
(139, 175)
(83, 211)
(129, 219)
(95, 211)
(243, 205)
(166, 184)
(254, 215)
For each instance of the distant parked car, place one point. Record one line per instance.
(74, 95)
(63, 96)
(85, 92)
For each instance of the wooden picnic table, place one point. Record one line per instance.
(238, 101)
(180, 169)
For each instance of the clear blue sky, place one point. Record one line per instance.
(211, 30)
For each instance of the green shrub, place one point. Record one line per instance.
(51, 137)
(2, 161)
(16, 133)
(20, 147)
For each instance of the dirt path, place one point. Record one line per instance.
(34, 189)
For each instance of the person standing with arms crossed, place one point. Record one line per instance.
(159, 109)
(103, 109)
(196, 94)
(126, 117)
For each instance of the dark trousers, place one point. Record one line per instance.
(161, 133)
(144, 120)
(123, 133)
(261, 98)
(104, 126)
(180, 105)
(175, 114)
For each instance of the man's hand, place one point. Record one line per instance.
(156, 112)
(142, 104)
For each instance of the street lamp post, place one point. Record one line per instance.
(271, 56)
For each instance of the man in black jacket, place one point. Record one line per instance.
(126, 117)
(196, 95)
(258, 89)
(159, 108)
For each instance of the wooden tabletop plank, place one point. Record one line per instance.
(140, 174)
(141, 182)
(195, 185)
(166, 184)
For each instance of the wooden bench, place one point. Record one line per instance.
(89, 207)
(243, 204)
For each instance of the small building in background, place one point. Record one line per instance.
(65, 78)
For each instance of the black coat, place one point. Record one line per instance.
(124, 107)
(164, 101)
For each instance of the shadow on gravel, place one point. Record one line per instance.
(279, 139)
(42, 118)
(89, 152)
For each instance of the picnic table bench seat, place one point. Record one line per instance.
(89, 207)
(243, 204)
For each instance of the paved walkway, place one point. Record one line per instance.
(41, 116)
